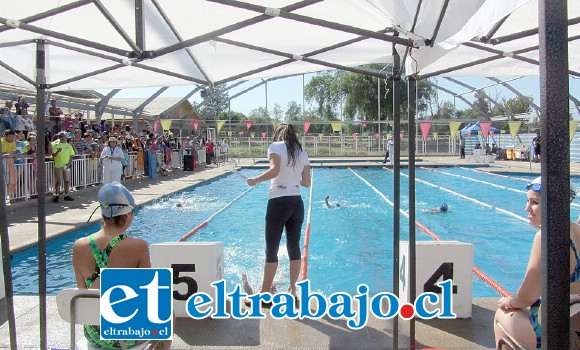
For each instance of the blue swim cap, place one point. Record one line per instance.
(443, 207)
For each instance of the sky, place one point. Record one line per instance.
(285, 90)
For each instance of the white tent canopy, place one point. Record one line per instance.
(103, 44)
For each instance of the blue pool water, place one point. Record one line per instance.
(349, 245)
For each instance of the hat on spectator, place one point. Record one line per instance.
(112, 139)
(31, 134)
(62, 133)
(115, 200)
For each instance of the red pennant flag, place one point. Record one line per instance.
(249, 124)
(241, 133)
(354, 136)
(469, 134)
(377, 136)
(425, 127)
(491, 132)
(264, 134)
(196, 123)
(485, 128)
(306, 127)
(156, 125)
(401, 135)
(364, 125)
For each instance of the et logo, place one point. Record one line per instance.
(136, 304)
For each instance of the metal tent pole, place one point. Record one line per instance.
(412, 102)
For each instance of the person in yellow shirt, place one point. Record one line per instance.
(62, 153)
(9, 153)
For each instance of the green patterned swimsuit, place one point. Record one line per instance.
(92, 333)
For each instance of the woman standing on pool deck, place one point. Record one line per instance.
(289, 168)
(513, 314)
(110, 247)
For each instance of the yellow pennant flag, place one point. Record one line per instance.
(479, 133)
(453, 127)
(165, 124)
(388, 136)
(321, 136)
(275, 123)
(502, 131)
(230, 133)
(253, 134)
(514, 128)
(336, 126)
(573, 126)
(435, 137)
(220, 125)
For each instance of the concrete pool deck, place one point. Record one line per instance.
(62, 218)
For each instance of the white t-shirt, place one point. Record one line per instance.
(224, 147)
(117, 152)
(287, 183)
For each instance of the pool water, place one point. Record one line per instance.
(349, 245)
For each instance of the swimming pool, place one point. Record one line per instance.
(348, 245)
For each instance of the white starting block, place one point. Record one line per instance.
(436, 262)
(195, 266)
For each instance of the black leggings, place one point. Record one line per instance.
(284, 212)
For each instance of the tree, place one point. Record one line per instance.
(322, 90)
(277, 112)
(215, 100)
(482, 104)
(518, 105)
(260, 113)
(294, 111)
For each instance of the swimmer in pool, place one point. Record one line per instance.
(443, 208)
(328, 205)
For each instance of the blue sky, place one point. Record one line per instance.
(283, 91)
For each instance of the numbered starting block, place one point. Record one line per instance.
(195, 266)
(436, 262)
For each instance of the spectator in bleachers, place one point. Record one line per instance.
(9, 154)
(31, 149)
(53, 110)
(80, 144)
(62, 153)
(22, 106)
(7, 119)
(95, 130)
(28, 123)
(20, 147)
(112, 158)
(58, 126)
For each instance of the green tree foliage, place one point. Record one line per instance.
(294, 111)
(260, 113)
(482, 103)
(518, 105)
(215, 100)
(277, 112)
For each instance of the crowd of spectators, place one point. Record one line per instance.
(88, 140)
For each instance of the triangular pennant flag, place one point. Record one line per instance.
(220, 125)
(354, 136)
(336, 126)
(166, 124)
(514, 128)
(264, 134)
(469, 134)
(249, 124)
(401, 135)
(435, 137)
(156, 125)
(388, 136)
(196, 123)
(453, 127)
(502, 131)
(377, 136)
(364, 125)
(253, 134)
(479, 133)
(241, 133)
(485, 128)
(425, 127)
(230, 133)
(491, 132)
(573, 126)
(306, 127)
(321, 136)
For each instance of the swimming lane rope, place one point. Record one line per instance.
(476, 271)
(203, 224)
(304, 266)
(507, 212)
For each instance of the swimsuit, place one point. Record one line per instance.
(93, 333)
(535, 307)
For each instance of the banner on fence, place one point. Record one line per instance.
(453, 127)
(514, 128)
(220, 125)
(336, 126)
(425, 127)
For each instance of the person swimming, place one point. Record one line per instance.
(443, 208)
(328, 204)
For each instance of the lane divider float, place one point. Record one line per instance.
(493, 284)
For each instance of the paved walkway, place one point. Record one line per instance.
(63, 218)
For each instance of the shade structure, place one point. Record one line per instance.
(139, 43)
(473, 128)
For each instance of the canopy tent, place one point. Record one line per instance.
(103, 44)
(473, 129)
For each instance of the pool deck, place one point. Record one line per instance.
(65, 217)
